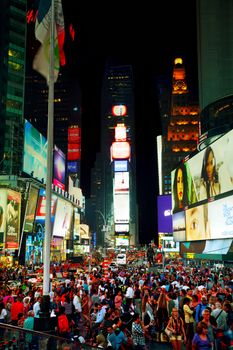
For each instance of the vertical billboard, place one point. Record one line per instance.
(121, 208)
(74, 143)
(35, 152)
(164, 208)
(63, 217)
(13, 205)
(59, 168)
(41, 212)
(31, 209)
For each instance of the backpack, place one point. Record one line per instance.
(63, 324)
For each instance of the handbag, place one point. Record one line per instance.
(168, 332)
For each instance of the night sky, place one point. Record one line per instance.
(147, 35)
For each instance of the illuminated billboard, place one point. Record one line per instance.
(201, 187)
(122, 228)
(74, 143)
(120, 150)
(119, 110)
(59, 168)
(120, 132)
(63, 216)
(121, 208)
(121, 165)
(35, 152)
(13, 205)
(41, 211)
(31, 209)
(72, 167)
(122, 241)
(164, 208)
(121, 181)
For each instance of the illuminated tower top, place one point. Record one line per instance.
(179, 84)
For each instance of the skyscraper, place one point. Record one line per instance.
(182, 127)
(215, 64)
(117, 89)
(12, 72)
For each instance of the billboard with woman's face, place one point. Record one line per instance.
(203, 186)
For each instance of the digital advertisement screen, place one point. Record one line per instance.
(64, 212)
(164, 205)
(3, 196)
(13, 219)
(207, 174)
(214, 246)
(121, 228)
(59, 168)
(41, 210)
(179, 226)
(72, 167)
(35, 152)
(31, 209)
(122, 241)
(121, 208)
(201, 187)
(121, 181)
(121, 165)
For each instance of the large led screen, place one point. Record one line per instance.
(35, 152)
(121, 208)
(41, 212)
(121, 181)
(59, 168)
(121, 165)
(207, 174)
(64, 212)
(12, 219)
(31, 209)
(202, 190)
(164, 205)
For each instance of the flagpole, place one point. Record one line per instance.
(48, 233)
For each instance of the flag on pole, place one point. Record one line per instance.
(42, 33)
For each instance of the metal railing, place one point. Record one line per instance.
(17, 338)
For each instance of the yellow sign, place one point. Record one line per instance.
(190, 255)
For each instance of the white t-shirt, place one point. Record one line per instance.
(3, 314)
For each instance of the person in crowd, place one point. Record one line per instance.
(138, 333)
(16, 308)
(67, 304)
(85, 307)
(209, 321)
(3, 316)
(189, 322)
(116, 338)
(77, 307)
(200, 307)
(29, 324)
(118, 300)
(221, 319)
(162, 312)
(210, 185)
(63, 326)
(137, 299)
(176, 326)
(201, 340)
(37, 306)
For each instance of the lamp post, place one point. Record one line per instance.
(104, 230)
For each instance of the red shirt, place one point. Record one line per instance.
(16, 308)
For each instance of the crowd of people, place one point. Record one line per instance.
(129, 308)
